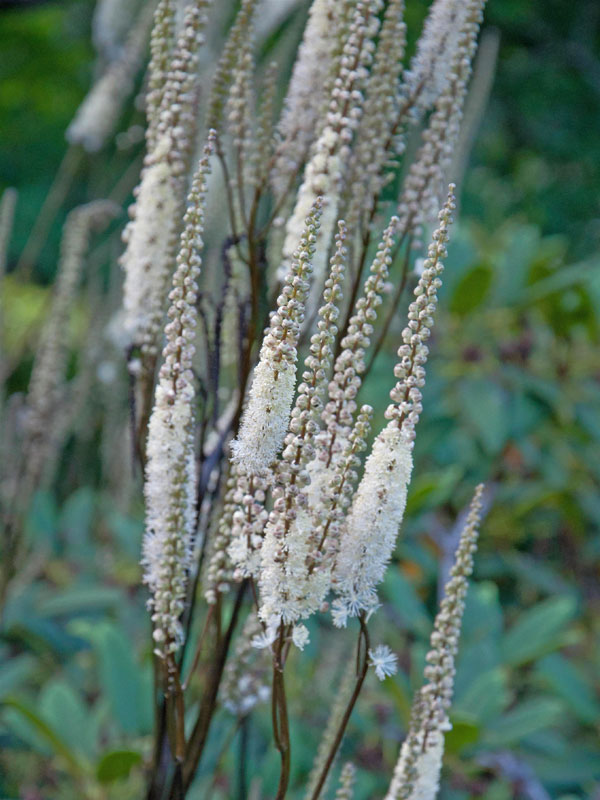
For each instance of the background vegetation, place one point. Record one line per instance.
(512, 398)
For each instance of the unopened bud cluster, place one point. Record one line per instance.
(417, 773)
(410, 371)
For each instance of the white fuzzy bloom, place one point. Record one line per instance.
(291, 592)
(294, 578)
(428, 74)
(96, 116)
(306, 95)
(347, 780)
(325, 170)
(170, 478)
(147, 257)
(246, 677)
(170, 471)
(417, 772)
(321, 179)
(267, 413)
(267, 637)
(45, 398)
(425, 769)
(266, 418)
(428, 173)
(300, 636)
(384, 661)
(110, 23)
(372, 525)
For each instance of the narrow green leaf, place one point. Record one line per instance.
(46, 732)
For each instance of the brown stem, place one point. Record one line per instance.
(229, 195)
(281, 730)
(199, 735)
(197, 654)
(362, 656)
(179, 717)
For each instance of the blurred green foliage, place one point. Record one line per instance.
(512, 398)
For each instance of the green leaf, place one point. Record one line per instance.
(432, 489)
(528, 569)
(529, 717)
(404, 600)
(122, 679)
(538, 630)
(479, 649)
(15, 672)
(472, 290)
(568, 683)
(482, 618)
(80, 600)
(127, 531)
(576, 765)
(76, 524)
(485, 698)
(116, 765)
(67, 714)
(485, 407)
(461, 735)
(41, 525)
(46, 732)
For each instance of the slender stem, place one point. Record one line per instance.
(242, 792)
(197, 654)
(224, 749)
(179, 718)
(229, 194)
(362, 657)
(199, 735)
(281, 730)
